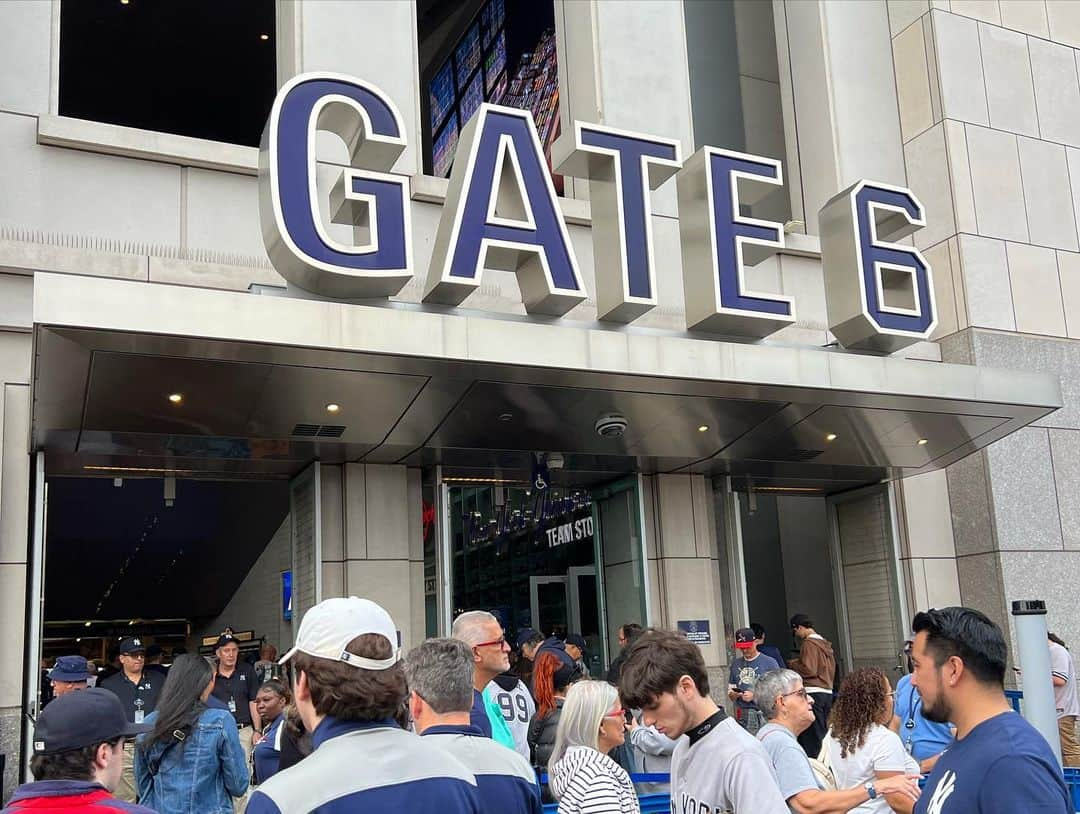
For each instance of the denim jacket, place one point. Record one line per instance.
(199, 776)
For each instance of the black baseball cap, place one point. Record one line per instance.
(131, 644)
(526, 635)
(577, 640)
(81, 719)
(224, 639)
(801, 620)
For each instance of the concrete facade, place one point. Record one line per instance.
(989, 105)
(975, 106)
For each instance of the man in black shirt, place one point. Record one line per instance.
(138, 691)
(236, 686)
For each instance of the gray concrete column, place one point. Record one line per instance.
(684, 572)
(372, 540)
(843, 92)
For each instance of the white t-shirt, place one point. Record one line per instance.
(1061, 665)
(882, 752)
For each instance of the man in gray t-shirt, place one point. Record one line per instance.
(785, 703)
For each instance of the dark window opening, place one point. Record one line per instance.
(199, 68)
(497, 51)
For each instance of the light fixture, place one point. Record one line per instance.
(125, 2)
(264, 37)
(333, 409)
(831, 436)
(87, 624)
(703, 428)
(176, 398)
(923, 442)
(143, 469)
(506, 417)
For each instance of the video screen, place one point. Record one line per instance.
(442, 95)
(467, 56)
(442, 151)
(471, 99)
(493, 16)
(495, 61)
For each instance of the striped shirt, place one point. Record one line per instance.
(586, 781)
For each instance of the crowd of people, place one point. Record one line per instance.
(348, 722)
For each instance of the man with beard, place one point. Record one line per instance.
(1000, 762)
(718, 766)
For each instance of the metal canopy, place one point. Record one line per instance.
(478, 393)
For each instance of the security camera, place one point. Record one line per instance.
(555, 460)
(611, 425)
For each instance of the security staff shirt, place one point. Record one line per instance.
(237, 690)
(138, 698)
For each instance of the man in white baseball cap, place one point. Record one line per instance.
(348, 684)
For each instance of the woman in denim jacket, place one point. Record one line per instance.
(192, 762)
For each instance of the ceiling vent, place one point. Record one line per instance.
(793, 455)
(318, 431)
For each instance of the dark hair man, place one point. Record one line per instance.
(787, 706)
(78, 757)
(70, 673)
(816, 663)
(627, 635)
(999, 761)
(770, 650)
(440, 677)
(236, 685)
(718, 766)
(348, 685)
(138, 691)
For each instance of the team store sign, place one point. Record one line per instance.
(501, 212)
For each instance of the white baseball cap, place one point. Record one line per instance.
(328, 627)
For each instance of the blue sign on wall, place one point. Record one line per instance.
(286, 595)
(696, 630)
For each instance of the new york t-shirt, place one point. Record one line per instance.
(1003, 765)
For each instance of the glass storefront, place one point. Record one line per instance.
(541, 558)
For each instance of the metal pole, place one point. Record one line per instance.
(1034, 653)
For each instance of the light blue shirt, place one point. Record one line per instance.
(921, 738)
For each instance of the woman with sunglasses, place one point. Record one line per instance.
(860, 748)
(583, 777)
(192, 762)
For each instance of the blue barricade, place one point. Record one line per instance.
(650, 803)
(1072, 780)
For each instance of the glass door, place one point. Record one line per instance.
(550, 605)
(585, 616)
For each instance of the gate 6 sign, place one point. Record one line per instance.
(501, 212)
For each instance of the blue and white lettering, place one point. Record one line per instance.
(622, 167)
(501, 213)
(880, 293)
(375, 203)
(718, 242)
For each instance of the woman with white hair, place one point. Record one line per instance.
(583, 778)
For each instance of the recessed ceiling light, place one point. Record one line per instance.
(333, 408)
(831, 436)
(125, 2)
(506, 417)
(703, 428)
(923, 442)
(87, 624)
(264, 37)
(176, 398)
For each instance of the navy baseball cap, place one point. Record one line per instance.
(70, 668)
(131, 644)
(224, 639)
(81, 719)
(526, 634)
(577, 640)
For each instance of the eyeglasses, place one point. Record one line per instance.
(801, 692)
(136, 656)
(499, 642)
(616, 713)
